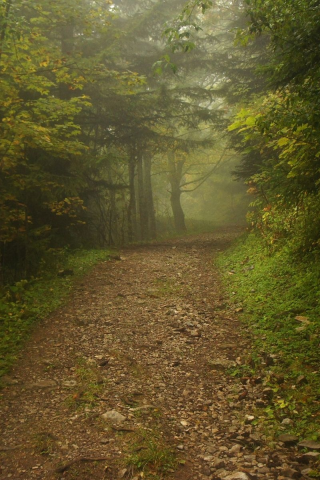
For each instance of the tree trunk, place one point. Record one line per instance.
(132, 211)
(175, 176)
(149, 196)
(113, 227)
(142, 206)
(178, 214)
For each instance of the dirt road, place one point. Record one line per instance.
(130, 379)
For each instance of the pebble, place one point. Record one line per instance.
(237, 476)
(288, 439)
(235, 449)
(113, 416)
(311, 444)
(287, 421)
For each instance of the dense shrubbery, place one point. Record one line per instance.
(281, 131)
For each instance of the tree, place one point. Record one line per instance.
(43, 71)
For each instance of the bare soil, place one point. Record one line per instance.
(149, 337)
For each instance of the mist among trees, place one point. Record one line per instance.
(122, 120)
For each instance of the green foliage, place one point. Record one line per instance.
(185, 25)
(280, 130)
(50, 57)
(281, 306)
(25, 303)
(293, 28)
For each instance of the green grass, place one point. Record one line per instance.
(89, 387)
(167, 231)
(150, 454)
(24, 304)
(273, 290)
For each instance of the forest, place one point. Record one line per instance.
(119, 118)
(133, 122)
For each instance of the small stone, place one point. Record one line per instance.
(69, 383)
(208, 458)
(255, 438)
(249, 418)
(114, 416)
(222, 473)
(219, 463)
(302, 319)
(288, 439)
(309, 456)
(122, 473)
(235, 449)
(237, 476)
(195, 333)
(263, 470)
(223, 449)
(287, 421)
(311, 444)
(180, 447)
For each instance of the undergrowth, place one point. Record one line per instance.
(25, 303)
(280, 297)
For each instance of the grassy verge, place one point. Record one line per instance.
(27, 302)
(280, 297)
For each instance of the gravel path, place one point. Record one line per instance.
(131, 375)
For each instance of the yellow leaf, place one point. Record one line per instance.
(283, 141)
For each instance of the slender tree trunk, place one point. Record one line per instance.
(149, 196)
(132, 210)
(112, 210)
(142, 206)
(175, 176)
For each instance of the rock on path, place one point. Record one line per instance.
(138, 357)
